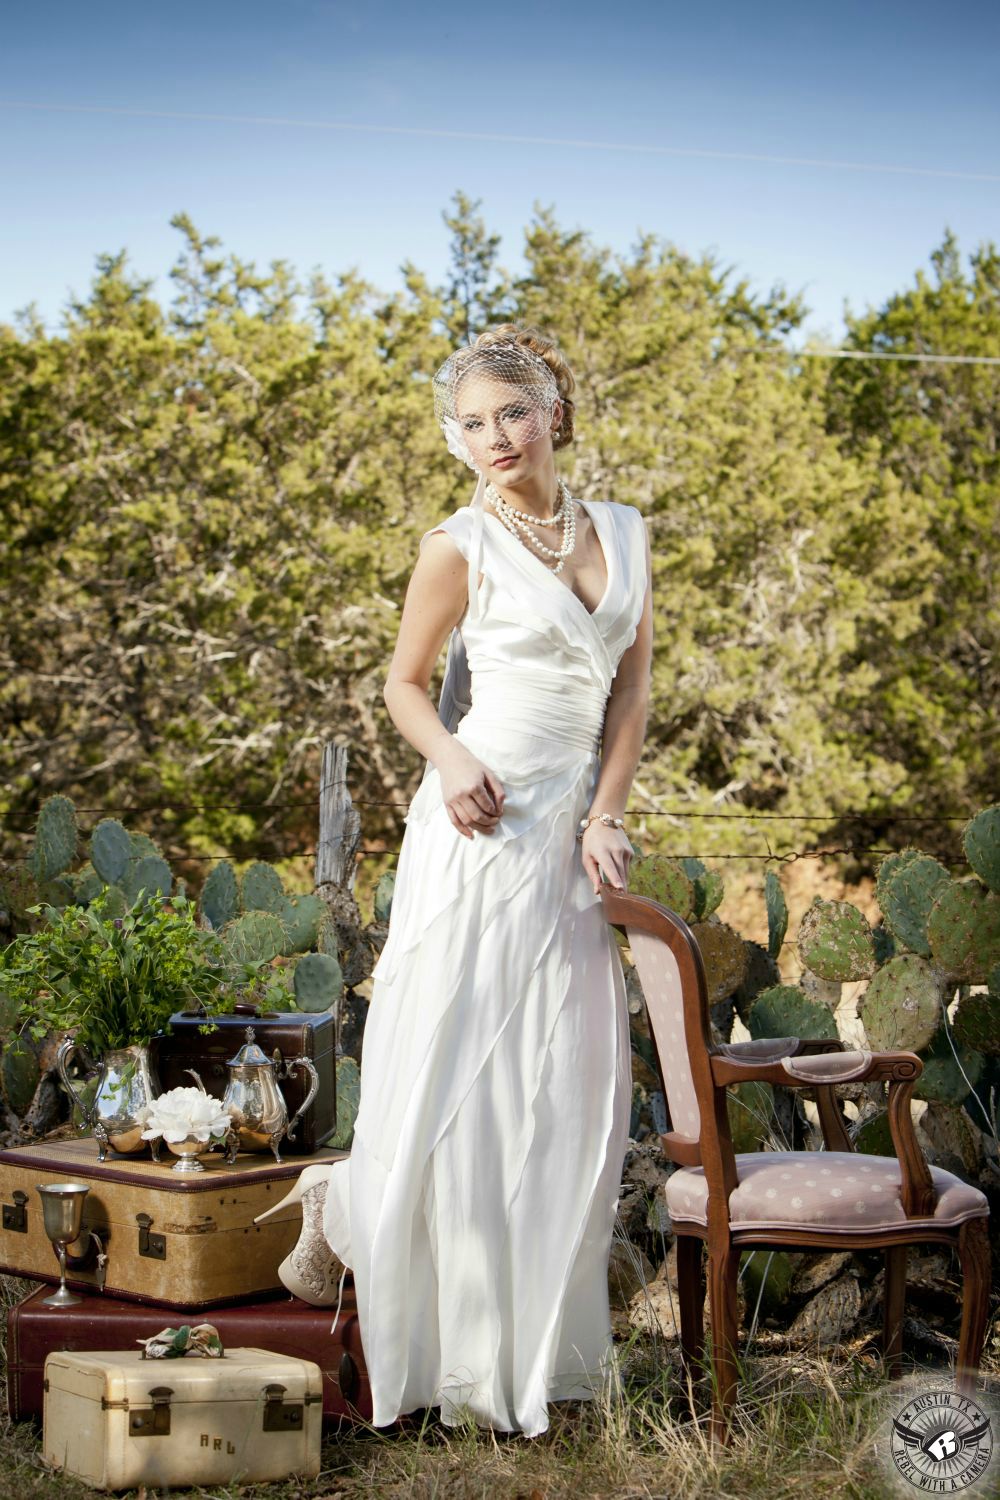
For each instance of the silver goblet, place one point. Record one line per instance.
(62, 1217)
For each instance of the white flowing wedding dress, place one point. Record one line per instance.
(477, 1205)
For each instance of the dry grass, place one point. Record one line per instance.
(804, 1425)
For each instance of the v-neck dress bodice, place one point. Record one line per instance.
(477, 1205)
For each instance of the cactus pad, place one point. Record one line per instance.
(21, 1074)
(318, 982)
(261, 889)
(348, 1101)
(142, 845)
(662, 879)
(762, 974)
(835, 941)
(785, 1010)
(87, 885)
(981, 842)
(708, 887)
(220, 897)
(964, 930)
(254, 937)
(873, 1136)
(303, 916)
(943, 1078)
(907, 897)
(150, 873)
(777, 913)
(977, 1022)
(885, 944)
(55, 838)
(383, 896)
(750, 1107)
(724, 954)
(901, 1008)
(114, 902)
(111, 851)
(889, 866)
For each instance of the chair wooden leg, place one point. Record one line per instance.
(691, 1296)
(893, 1304)
(974, 1255)
(723, 1271)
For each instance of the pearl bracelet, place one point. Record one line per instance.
(605, 818)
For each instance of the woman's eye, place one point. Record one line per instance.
(514, 412)
(472, 424)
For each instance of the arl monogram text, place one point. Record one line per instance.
(215, 1444)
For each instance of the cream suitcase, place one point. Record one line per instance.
(117, 1420)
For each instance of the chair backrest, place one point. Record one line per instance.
(672, 975)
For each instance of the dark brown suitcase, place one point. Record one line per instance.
(291, 1034)
(281, 1324)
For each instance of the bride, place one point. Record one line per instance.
(477, 1205)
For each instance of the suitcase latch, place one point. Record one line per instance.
(281, 1415)
(152, 1421)
(153, 1246)
(15, 1215)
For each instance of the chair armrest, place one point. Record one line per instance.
(899, 1069)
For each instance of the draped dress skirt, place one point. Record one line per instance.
(477, 1206)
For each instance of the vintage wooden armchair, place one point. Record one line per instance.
(835, 1198)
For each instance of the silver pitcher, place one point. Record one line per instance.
(127, 1085)
(255, 1102)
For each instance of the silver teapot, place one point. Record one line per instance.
(255, 1102)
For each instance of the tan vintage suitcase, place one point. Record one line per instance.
(185, 1239)
(117, 1420)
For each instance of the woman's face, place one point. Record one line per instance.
(509, 435)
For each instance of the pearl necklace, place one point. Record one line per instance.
(519, 521)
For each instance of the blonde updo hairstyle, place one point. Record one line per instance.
(535, 341)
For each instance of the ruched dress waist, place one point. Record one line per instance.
(554, 706)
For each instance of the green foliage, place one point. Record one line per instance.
(835, 941)
(112, 981)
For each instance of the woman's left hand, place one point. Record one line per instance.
(606, 851)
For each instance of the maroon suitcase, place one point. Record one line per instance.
(281, 1323)
(291, 1033)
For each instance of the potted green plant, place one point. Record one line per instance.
(111, 983)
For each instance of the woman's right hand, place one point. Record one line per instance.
(472, 794)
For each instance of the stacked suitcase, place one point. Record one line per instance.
(180, 1247)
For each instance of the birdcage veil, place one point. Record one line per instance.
(494, 392)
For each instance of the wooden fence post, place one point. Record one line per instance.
(339, 822)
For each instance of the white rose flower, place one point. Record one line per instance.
(184, 1112)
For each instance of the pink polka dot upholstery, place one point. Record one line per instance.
(661, 987)
(830, 1190)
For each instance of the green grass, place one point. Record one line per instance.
(804, 1425)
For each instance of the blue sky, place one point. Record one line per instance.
(900, 84)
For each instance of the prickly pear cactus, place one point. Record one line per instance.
(762, 974)
(87, 885)
(885, 944)
(20, 1072)
(964, 930)
(303, 916)
(383, 896)
(902, 1006)
(785, 1011)
(750, 1107)
(254, 937)
(318, 982)
(724, 954)
(906, 898)
(116, 903)
(981, 842)
(18, 892)
(111, 851)
(220, 897)
(662, 879)
(348, 1101)
(977, 1020)
(835, 941)
(777, 913)
(56, 837)
(888, 868)
(946, 1078)
(261, 889)
(708, 887)
(150, 873)
(873, 1136)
